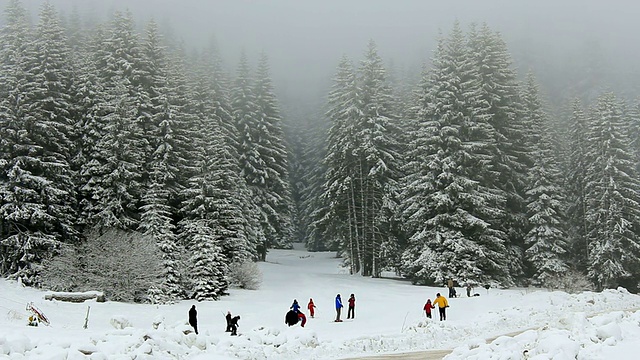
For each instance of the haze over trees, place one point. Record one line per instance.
(468, 175)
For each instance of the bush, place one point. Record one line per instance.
(245, 275)
(572, 282)
(122, 264)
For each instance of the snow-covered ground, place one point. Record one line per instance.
(389, 318)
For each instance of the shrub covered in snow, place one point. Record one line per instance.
(245, 275)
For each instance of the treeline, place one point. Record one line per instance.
(461, 173)
(466, 176)
(104, 128)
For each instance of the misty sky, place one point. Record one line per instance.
(306, 38)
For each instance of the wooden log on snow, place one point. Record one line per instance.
(76, 297)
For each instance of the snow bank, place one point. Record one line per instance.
(577, 337)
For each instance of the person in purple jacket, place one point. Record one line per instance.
(338, 307)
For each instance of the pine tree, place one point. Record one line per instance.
(510, 156)
(167, 141)
(546, 244)
(218, 137)
(263, 162)
(377, 135)
(612, 197)
(336, 219)
(114, 170)
(577, 172)
(38, 193)
(449, 211)
(273, 183)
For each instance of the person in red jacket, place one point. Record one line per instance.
(311, 308)
(351, 313)
(427, 307)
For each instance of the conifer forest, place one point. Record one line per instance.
(128, 157)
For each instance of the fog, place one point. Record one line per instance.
(305, 39)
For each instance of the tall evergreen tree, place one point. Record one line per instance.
(272, 183)
(378, 162)
(336, 218)
(510, 156)
(546, 244)
(575, 186)
(114, 172)
(167, 140)
(612, 189)
(449, 211)
(263, 162)
(37, 183)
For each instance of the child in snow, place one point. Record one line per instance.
(302, 318)
(338, 307)
(193, 318)
(234, 325)
(442, 303)
(427, 307)
(311, 308)
(351, 313)
(295, 307)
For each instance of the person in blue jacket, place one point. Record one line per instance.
(295, 307)
(338, 307)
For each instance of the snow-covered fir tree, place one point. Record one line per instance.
(575, 186)
(546, 242)
(271, 183)
(334, 219)
(612, 193)
(263, 162)
(114, 171)
(36, 182)
(377, 166)
(168, 141)
(217, 135)
(510, 160)
(448, 210)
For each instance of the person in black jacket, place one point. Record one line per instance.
(234, 325)
(193, 318)
(228, 317)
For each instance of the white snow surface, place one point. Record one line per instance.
(389, 319)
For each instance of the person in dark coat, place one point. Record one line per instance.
(193, 318)
(351, 313)
(234, 325)
(228, 317)
(291, 318)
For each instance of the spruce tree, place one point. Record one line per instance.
(612, 189)
(576, 181)
(546, 244)
(273, 181)
(510, 155)
(449, 211)
(37, 184)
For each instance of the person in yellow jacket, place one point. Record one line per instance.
(442, 303)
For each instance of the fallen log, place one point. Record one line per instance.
(77, 297)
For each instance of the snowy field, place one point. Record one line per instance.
(389, 319)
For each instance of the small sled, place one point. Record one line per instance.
(38, 313)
